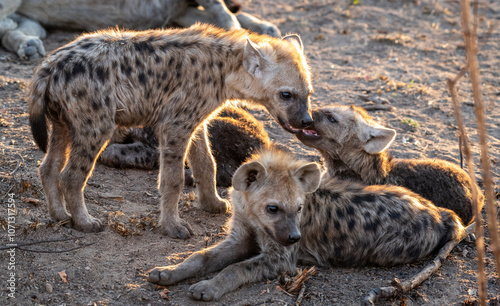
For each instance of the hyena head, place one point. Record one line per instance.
(279, 80)
(340, 127)
(269, 190)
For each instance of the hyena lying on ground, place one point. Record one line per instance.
(353, 147)
(234, 135)
(21, 21)
(171, 80)
(276, 224)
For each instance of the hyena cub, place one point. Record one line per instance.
(171, 80)
(353, 147)
(234, 135)
(277, 223)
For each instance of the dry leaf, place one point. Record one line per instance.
(63, 275)
(164, 294)
(31, 201)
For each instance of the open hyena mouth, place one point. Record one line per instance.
(288, 127)
(308, 134)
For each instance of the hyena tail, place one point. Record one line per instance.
(37, 106)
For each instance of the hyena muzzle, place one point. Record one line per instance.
(171, 80)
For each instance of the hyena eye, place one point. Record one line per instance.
(300, 208)
(285, 95)
(272, 209)
(331, 119)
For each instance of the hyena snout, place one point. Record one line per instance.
(300, 117)
(288, 232)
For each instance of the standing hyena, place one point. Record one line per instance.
(353, 146)
(340, 224)
(171, 80)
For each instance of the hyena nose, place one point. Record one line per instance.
(292, 238)
(307, 121)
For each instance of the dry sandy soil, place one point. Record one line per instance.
(395, 53)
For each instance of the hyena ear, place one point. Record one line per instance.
(252, 58)
(309, 177)
(247, 174)
(378, 139)
(295, 40)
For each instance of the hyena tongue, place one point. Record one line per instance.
(310, 132)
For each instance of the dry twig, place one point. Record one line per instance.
(21, 246)
(399, 288)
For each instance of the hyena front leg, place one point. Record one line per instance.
(82, 158)
(204, 168)
(173, 145)
(50, 169)
(202, 262)
(264, 266)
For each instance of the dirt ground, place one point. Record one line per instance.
(397, 54)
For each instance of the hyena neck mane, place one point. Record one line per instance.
(358, 165)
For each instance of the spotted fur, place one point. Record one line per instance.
(354, 148)
(234, 135)
(342, 224)
(171, 80)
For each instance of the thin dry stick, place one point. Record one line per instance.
(477, 213)
(399, 288)
(471, 51)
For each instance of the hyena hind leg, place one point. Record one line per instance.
(73, 178)
(203, 166)
(50, 169)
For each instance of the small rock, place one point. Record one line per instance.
(48, 288)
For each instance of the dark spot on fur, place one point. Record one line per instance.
(83, 169)
(196, 75)
(350, 210)
(87, 45)
(150, 72)
(372, 226)
(142, 78)
(122, 152)
(170, 61)
(92, 147)
(171, 142)
(351, 224)
(220, 64)
(381, 209)
(107, 101)
(395, 215)
(193, 60)
(363, 198)
(144, 47)
(102, 74)
(96, 105)
(340, 213)
(138, 62)
(336, 224)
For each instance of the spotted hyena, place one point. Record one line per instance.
(171, 80)
(353, 147)
(22, 21)
(277, 223)
(234, 135)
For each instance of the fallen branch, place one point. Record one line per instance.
(56, 251)
(399, 288)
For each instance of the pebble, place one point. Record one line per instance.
(48, 287)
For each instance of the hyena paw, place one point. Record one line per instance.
(215, 205)
(205, 291)
(31, 48)
(269, 29)
(177, 230)
(60, 215)
(88, 225)
(162, 276)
